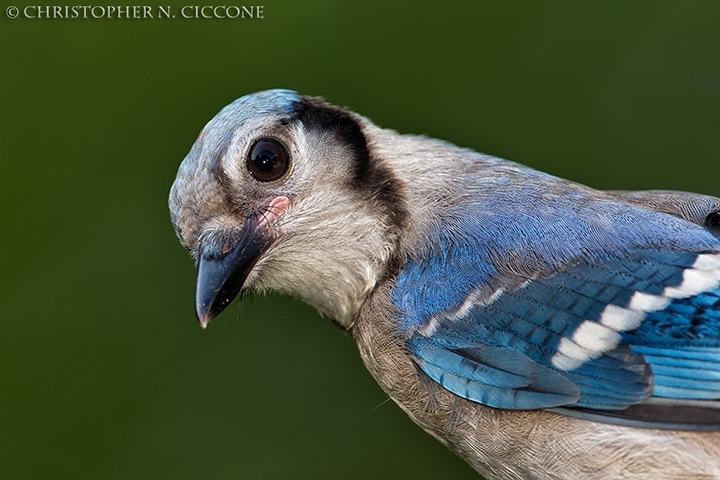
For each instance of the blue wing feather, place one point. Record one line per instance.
(495, 376)
(490, 331)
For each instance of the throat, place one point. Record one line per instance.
(336, 282)
(339, 292)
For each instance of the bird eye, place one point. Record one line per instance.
(268, 160)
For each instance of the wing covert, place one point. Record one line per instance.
(601, 332)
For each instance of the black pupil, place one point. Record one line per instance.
(268, 160)
(265, 160)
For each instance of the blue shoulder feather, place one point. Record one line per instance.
(598, 307)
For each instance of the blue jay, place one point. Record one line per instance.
(538, 328)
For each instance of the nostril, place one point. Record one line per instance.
(215, 242)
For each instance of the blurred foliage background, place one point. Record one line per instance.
(104, 372)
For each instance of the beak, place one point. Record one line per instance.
(221, 277)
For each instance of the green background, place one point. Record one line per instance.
(104, 372)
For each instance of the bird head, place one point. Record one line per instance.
(281, 192)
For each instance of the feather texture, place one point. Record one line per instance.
(539, 328)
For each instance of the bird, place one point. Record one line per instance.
(537, 327)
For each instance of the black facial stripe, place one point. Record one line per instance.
(315, 114)
(370, 176)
